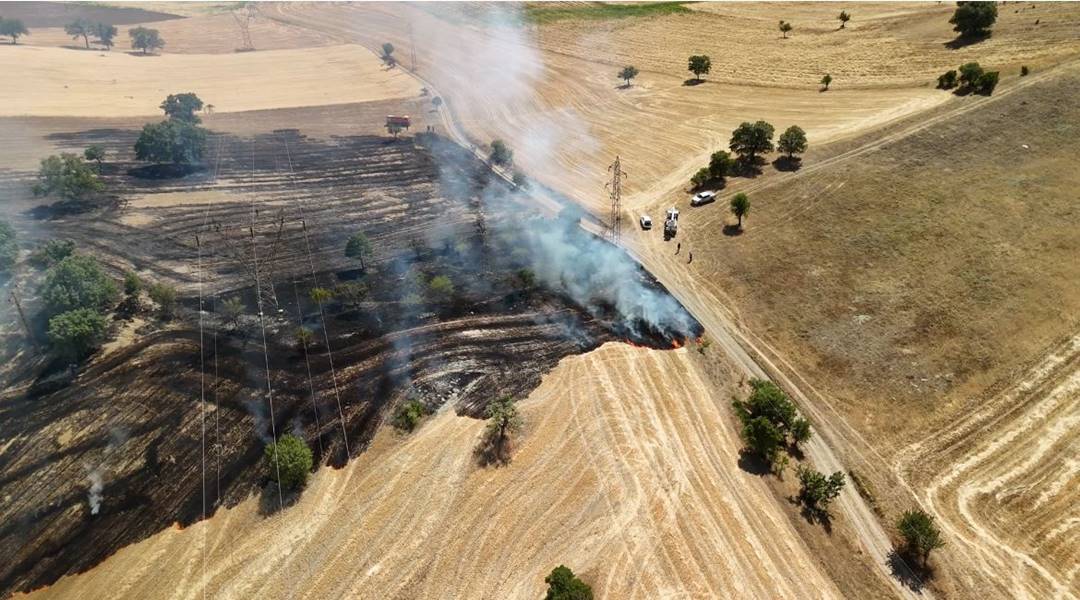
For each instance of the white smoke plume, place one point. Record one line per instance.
(95, 494)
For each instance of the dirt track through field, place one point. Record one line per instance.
(632, 480)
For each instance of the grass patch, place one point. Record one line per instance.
(541, 13)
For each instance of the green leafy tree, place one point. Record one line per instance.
(720, 165)
(503, 420)
(970, 74)
(769, 401)
(763, 438)
(627, 73)
(986, 83)
(77, 282)
(67, 176)
(843, 17)
(816, 490)
(288, 461)
(564, 585)
(80, 28)
(9, 247)
(182, 107)
(165, 297)
(358, 247)
(750, 139)
(105, 34)
(320, 295)
(13, 28)
(792, 141)
(947, 80)
(785, 27)
(700, 178)
(408, 415)
(740, 206)
(501, 154)
(800, 431)
(77, 332)
(231, 311)
(351, 293)
(699, 65)
(1024, 70)
(920, 533)
(174, 141)
(826, 80)
(388, 52)
(440, 288)
(146, 39)
(972, 19)
(95, 153)
(52, 252)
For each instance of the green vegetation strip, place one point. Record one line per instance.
(540, 13)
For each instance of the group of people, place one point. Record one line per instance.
(689, 254)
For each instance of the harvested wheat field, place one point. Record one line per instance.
(632, 479)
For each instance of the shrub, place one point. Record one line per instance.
(700, 178)
(521, 180)
(78, 331)
(165, 297)
(351, 293)
(304, 337)
(564, 585)
(320, 295)
(947, 80)
(288, 461)
(501, 154)
(920, 534)
(77, 282)
(1024, 70)
(132, 283)
(67, 176)
(440, 288)
(231, 310)
(763, 438)
(52, 252)
(9, 249)
(358, 247)
(503, 420)
(986, 83)
(970, 74)
(816, 490)
(826, 80)
(408, 415)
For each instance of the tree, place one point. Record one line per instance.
(920, 534)
(165, 297)
(67, 176)
(77, 332)
(627, 73)
(132, 284)
(699, 65)
(986, 83)
(750, 139)
(95, 153)
(740, 206)
(800, 431)
(79, 28)
(182, 107)
(387, 52)
(105, 34)
(501, 154)
(763, 438)
(408, 415)
(720, 164)
(288, 461)
(826, 80)
(792, 141)
(9, 248)
(970, 74)
(768, 401)
(13, 28)
(304, 337)
(1024, 70)
(520, 179)
(77, 282)
(358, 247)
(564, 585)
(503, 420)
(785, 27)
(351, 293)
(700, 178)
(320, 295)
(973, 19)
(440, 288)
(175, 141)
(947, 80)
(52, 252)
(146, 39)
(231, 310)
(436, 102)
(844, 17)
(816, 490)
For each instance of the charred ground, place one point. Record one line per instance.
(135, 416)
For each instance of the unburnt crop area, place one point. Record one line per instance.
(459, 296)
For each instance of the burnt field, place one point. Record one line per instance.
(170, 425)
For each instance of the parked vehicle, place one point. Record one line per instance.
(703, 198)
(646, 222)
(671, 223)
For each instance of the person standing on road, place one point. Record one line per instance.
(678, 246)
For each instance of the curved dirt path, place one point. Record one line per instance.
(627, 471)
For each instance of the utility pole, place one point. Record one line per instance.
(412, 49)
(14, 299)
(614, 188)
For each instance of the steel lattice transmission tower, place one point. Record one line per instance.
(614, 188)
(244, 16)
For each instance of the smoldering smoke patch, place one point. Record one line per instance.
(95, 494)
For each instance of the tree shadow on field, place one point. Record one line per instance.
(270, 503)
(732, 230)
(966, 40)
(693, 81)
(165, 171)
(787, 163)
(749, 167)
(61, 209)
(753, 463)
(907, 572)
(813, 515)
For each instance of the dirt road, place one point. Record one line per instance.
(627, 471)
